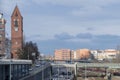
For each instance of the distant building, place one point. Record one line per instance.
(98, 54)
(16, 32)
(2, 35)
(110, 53)
(18, 69)
(82, 54)
(63, 54)
(104, 54)
(49, 57)
(67, 54)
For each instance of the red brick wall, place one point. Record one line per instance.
(16, 36)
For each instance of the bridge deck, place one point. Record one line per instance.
(13, 61)
(105, 65)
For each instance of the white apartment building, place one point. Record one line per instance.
(104, 54)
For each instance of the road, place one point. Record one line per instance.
(62, 73)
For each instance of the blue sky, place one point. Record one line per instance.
(73, 24)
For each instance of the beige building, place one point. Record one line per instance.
(63, 54)
(110, 53)
(67, 54)
(82, 53)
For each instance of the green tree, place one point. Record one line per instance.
(29, 48)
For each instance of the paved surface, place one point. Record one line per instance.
(62, 73)
(37, 73)
(99, 78)
(116, 78)
(99, 65)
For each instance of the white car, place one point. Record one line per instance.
(37, 65)
(30, 69)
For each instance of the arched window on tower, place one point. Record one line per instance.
(16, 24)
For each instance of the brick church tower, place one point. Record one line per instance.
(16, 32)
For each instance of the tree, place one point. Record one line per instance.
(27, 51)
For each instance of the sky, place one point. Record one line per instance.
(69, 24)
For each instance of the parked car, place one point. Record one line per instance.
(30, 69)
(37, 65)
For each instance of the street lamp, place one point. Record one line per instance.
(33, 54)
(58, 71)
(10, 70)
(42, 72)
(85, 72)
(10, 62)
(67, 72)
(28, 53)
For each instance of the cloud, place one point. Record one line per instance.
(48, 46)
(68, 23)
(84, 36)
(63, 36)
(107, 39)
(87, 11)
(90, 29)
(8, 5)
(48, 21)
(97, 42)
(33, 37)
(76, 2)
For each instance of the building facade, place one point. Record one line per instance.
(11, 69)
(2, 35)
(104, 54)
(16, 32)
(110, 53)
(82, 54)
(67, 54)
(63, 54)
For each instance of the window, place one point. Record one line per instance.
(16, 42)
(16, 28)
(0, 22)
(16, 14)
(15, 50)
(16, 23)
(0, 35)
(1, 29)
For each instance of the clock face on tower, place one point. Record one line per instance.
(16, 24)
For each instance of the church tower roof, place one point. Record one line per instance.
(16, 12)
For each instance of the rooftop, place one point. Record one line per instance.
(14, 61)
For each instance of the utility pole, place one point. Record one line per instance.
(42, 72)
(28, 54)
(118, 53)
(33, 54)
(85, 72)
(58, 71)
(7, 46)
(10, 64)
